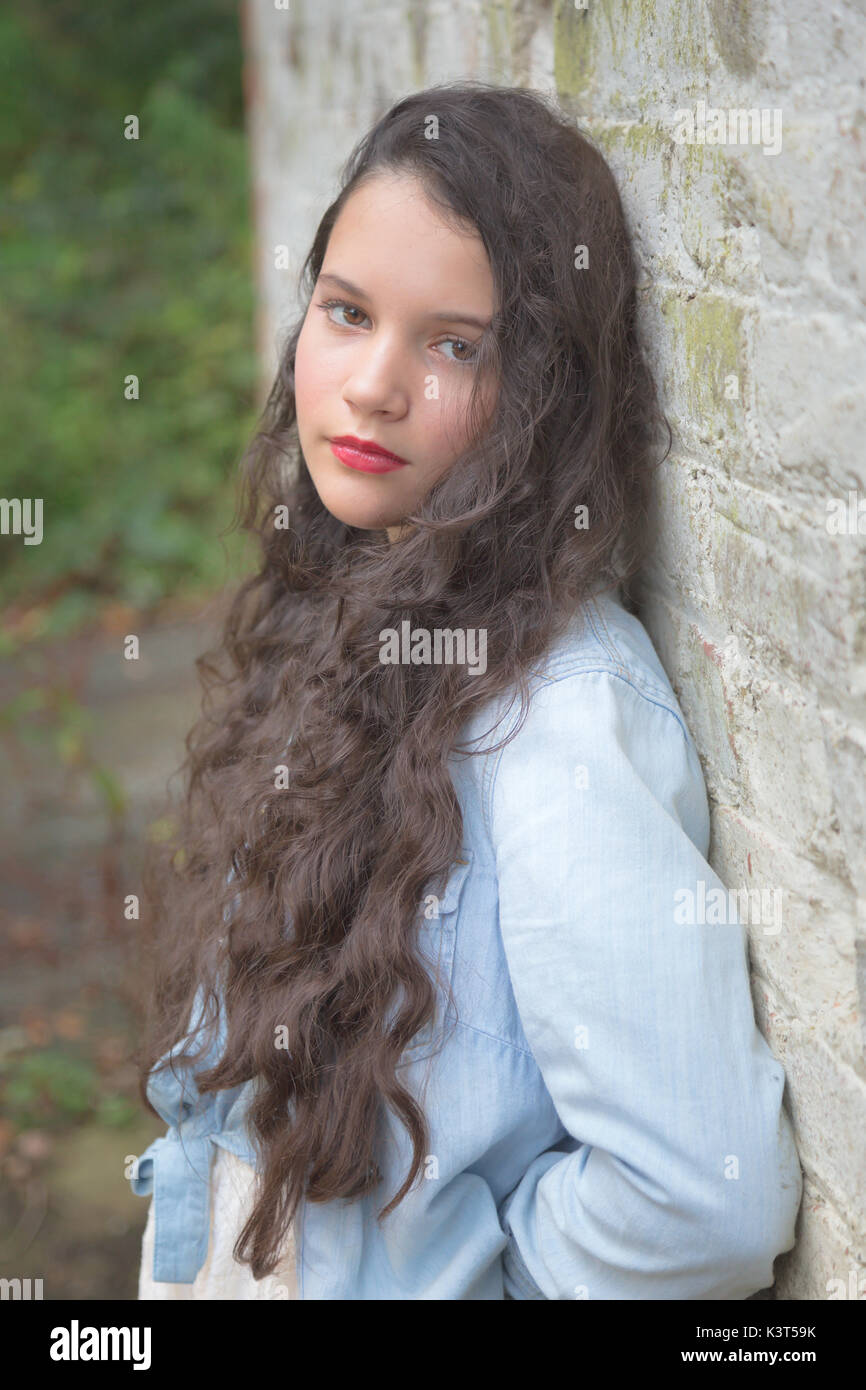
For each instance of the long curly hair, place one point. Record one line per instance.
(316, 777)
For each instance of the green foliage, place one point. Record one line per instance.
(115, 1111)
(47, 713)
(123, 257)
(49, 1088)
(52, 1090)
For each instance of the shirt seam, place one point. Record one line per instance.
(612, 647)
(647, 691)
(494, 1037)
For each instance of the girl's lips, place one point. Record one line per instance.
(365, 460)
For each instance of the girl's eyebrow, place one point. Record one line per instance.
(446, 315)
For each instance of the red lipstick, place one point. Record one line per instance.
(365, 455)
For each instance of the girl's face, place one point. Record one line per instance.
(383, 353)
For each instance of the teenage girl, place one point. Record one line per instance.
(438, 1008)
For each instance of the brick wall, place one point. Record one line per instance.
(752, 295)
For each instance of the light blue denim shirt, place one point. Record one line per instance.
(606, 1120)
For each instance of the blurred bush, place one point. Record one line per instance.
(122, 256)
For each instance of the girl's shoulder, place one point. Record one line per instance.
(605, 636)
(600, 687)
(604, 728)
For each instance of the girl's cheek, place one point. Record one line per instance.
(451, 423)
(306, 356)
(305, 383)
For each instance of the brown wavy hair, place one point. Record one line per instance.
(317, 929)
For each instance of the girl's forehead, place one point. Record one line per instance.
(403, 196)
(390, 237)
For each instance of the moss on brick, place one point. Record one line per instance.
(499, 41)
(709, 334)
(574, 49)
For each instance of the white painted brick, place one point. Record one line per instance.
(824, 1252)
(751, 264)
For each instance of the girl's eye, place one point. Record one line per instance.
(463, 343)
(328, 304)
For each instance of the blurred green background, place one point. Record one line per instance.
(122, 256)
(118, 256)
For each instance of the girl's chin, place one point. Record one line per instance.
(351, 506)
(359, 519)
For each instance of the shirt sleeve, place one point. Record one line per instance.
(680, 1179)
